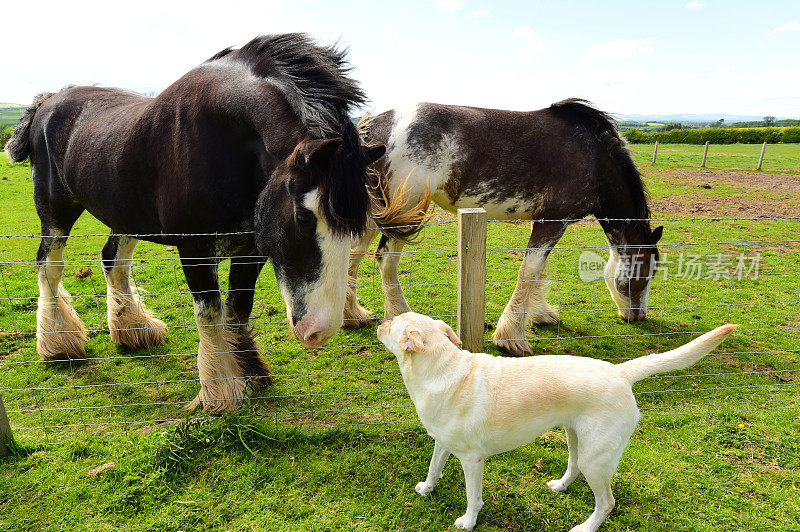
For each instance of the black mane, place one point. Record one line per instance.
(316, 84)
(605, 128)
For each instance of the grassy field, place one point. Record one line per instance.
(335, 445)
(784, 158)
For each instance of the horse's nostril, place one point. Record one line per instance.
(313, 337)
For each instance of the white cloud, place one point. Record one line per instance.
(694, 5)
(447, 5)
(481, 13)
(615, 50)
(533, 42)
(523, 32)
(389, 36)
(784, 28)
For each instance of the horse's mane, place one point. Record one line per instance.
(605, 129)
(314, 79)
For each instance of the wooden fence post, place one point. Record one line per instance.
(705, 155)
(471, 277)
(761, 159)
(655, 152)
(6, 438)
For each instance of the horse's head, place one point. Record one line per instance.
(628, 274)
(313, 204)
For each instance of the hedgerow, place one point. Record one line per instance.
(717, 135)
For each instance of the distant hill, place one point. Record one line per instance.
(10, 114)
(692, 118)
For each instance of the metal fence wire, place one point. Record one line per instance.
(711, 271)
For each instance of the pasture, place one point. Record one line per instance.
(335, 444)
(782, 158)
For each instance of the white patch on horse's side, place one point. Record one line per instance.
(434, 170)
(416, 173)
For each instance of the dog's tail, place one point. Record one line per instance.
(682, 357)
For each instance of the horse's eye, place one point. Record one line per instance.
(305, 219)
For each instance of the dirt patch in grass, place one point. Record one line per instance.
(763, 195)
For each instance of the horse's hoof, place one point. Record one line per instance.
(357, 318)
(514, 347)
(137, 333)
(548, 316)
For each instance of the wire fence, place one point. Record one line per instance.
(711, 271)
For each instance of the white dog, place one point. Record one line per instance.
(477, 405)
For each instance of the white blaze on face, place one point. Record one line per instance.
(622, 301)
(324, 297)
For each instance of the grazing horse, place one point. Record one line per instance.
(553, 166)
(251, 155)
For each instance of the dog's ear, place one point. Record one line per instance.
(451, 334)
(411, 340)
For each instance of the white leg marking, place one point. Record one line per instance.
(130, 322)
(60, 333)
(221, 384)
(356, 316)
(394, 300)
(527, 303)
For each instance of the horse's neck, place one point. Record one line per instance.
(621, 233)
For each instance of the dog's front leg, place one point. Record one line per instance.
(473, 475)
(439, 458)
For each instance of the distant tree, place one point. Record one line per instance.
(669, 126)
(5, 135)
(769, 120)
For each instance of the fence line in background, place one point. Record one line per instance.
(354, 382)
(705, 154)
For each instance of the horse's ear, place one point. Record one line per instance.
(318, 153)
(375, 152)
(656, 235)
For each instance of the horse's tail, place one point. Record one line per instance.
(18, 147)
(393, 214)
(605, 129)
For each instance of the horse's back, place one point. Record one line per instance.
(514, 164)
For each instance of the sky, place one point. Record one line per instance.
(626, 56)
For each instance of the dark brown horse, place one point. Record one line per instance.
(553, 166)
(254, 150)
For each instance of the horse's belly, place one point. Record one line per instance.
(509, 208)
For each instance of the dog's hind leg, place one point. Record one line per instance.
(600, 447)
(572, 471)
(439, 458)
(130, 322)
(473, 475)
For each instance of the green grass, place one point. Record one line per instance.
(783, 158)
(334, 445)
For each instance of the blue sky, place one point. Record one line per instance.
(654, 57)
